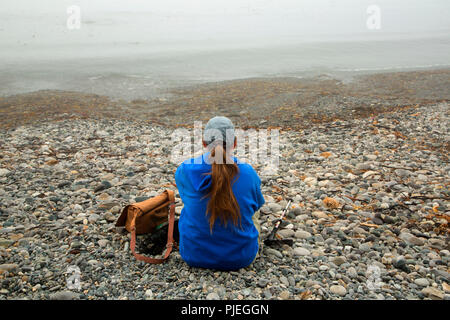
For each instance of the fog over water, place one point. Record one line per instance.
(134, 48)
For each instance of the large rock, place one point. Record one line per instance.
(411, 239)
(300, 234)
(286, 233)
(212, 296)
(311, 181)
(275, 207)
(433, 293)
(352, 273)
(338, 290)
(338, 260)
(301, 252)
(10, 267)
(274, 252)
(320, 215)
(402, 173)
(422, 282)
(65, 295)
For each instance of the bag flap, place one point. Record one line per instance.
(155, 202)
(123, 217)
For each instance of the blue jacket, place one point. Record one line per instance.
(227, 248)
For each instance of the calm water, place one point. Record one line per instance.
(141, 53)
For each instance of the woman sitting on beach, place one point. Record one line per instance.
(218, 226)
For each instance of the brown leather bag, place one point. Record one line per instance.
(144, 217)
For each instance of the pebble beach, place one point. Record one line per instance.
(369, 189)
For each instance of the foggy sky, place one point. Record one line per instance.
(44, 21)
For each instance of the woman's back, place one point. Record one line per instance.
(227, 247)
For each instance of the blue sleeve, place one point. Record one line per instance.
(259, 196)
(179, 180)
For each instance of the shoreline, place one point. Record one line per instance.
(285, 102)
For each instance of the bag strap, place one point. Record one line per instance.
(169, 244)
(171, 195)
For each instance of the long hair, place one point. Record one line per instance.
(222, 203)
